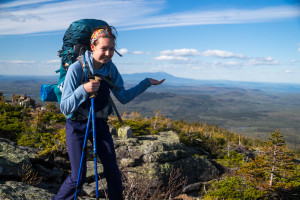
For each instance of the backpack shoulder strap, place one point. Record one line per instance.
(87, 73)
(85, 68)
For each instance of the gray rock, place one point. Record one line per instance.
(165, 156)
(128, 162)
(196, 168)
(193, 187)
(125, 132)
(53, 175)
(156, 156)
(12, 158)
(11, 190)
(90, 188)
(90, 171)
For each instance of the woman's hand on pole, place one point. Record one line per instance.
(91, 87)
(156, 82)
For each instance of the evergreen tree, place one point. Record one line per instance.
(2, 99)
(273, 168)
(279, 160)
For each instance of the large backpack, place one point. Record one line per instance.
(76, 41)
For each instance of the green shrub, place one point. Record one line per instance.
(36, 140)
(57, 143)
(138, 126)
(234, 159)
(12, 121)
(233, 187)
(47, 142)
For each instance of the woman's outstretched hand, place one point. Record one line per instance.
(156, 82)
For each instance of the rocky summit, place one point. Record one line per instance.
(26, 175)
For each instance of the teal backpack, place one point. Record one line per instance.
(76, 41)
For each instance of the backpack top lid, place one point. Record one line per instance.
(79, 32)
(76, 36)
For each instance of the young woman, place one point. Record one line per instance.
(75, 106)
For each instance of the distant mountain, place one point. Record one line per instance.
(178, 81)
(171, 81)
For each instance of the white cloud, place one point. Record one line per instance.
(294, 61)
(21, 3)
(298, 49)
(126, 51)
(262, 61)
(17, 61)
(170, 58)
(28, 68)
(54, 61)
(57, 15)
(288, 71)
(200, 17)
(217, 64)
(137, 52)
(221, 54)
(180, 52)
(23, 17)
(123, 51)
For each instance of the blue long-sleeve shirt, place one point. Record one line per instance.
(74, 95)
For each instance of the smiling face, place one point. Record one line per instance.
(103, 51)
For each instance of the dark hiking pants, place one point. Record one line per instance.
(75, 132)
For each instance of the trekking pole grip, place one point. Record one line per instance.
(97, 78)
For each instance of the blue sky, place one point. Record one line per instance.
(241, 40)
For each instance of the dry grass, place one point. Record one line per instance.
(140, 187)
(28, 176)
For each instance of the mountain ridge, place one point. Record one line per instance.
(172, 80)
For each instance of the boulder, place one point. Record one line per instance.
(16, 162)
(12, 159)
(89, 189)
(12, 190)
(125, 132)
(90, 170)
(158, 155)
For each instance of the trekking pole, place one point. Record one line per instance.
(115, 109)
(91, 114)
(83, 151)
(93, 95)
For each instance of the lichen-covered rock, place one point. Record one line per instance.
(49, 175)
(11, 190)
(125, 132)
(196, 168)
(89, 189)
(157, 155)
(90, 171)
(12, 158)
(128, 162)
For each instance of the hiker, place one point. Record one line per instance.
(75, 106)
